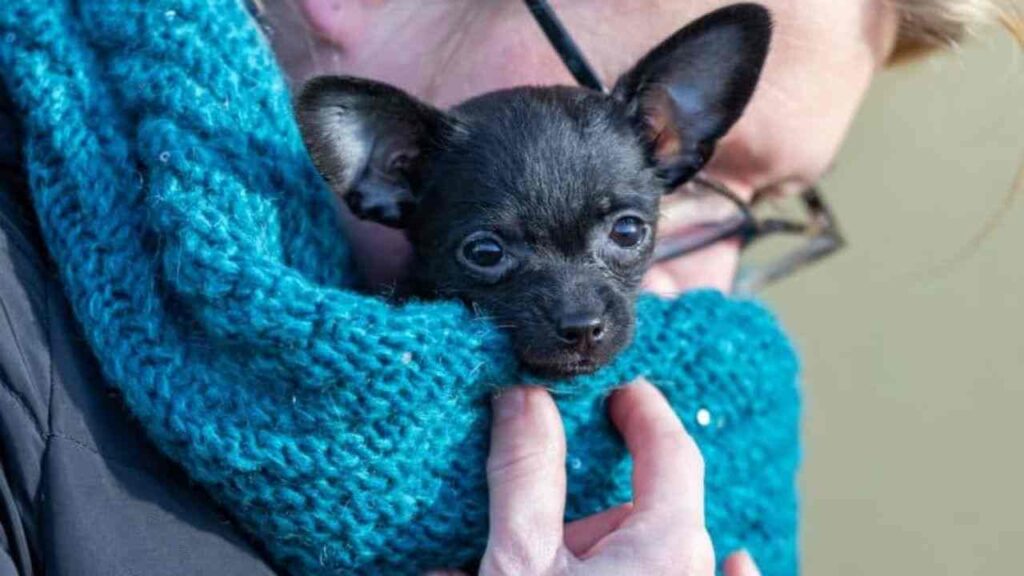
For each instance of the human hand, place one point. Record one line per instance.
(661, 532)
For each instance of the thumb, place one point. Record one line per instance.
(740, 564)
(526, 479)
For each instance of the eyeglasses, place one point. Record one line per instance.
(704, 212)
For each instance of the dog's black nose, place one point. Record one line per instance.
(581, 329)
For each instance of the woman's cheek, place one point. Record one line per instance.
(381, 254)
(713, 267)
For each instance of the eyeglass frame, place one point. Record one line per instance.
(825, 238)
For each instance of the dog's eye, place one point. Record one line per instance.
(483, 251)
(628, 231)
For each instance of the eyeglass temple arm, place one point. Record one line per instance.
(821, 218)
(827, 241)
(563, 43)
(671, 248)
(750, 281)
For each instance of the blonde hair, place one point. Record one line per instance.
(927, 25)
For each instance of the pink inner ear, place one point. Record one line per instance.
(667, 143)
(663, 130)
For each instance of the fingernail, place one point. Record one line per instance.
(509, 403)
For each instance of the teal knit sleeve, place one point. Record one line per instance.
(202, 257)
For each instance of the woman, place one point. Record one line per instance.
(823, 60)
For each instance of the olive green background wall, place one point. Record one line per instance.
(914, 365)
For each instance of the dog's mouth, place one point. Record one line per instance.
(565, 363)
(565, 368)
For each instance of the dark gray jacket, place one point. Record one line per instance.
(82, 492)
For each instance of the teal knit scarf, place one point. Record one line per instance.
(202, 257)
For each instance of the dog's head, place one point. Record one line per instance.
(538, 206)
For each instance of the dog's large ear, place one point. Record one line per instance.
(369, 140)
(689, 90)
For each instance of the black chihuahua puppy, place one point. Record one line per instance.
(538, 205)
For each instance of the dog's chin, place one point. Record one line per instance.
(565, 364)
(564, 368)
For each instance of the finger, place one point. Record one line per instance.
(740, 564)
(668, 470)
(581, 535)
(526, 476)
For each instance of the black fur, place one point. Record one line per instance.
(561, 179)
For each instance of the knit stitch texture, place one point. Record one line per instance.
(201, 254)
